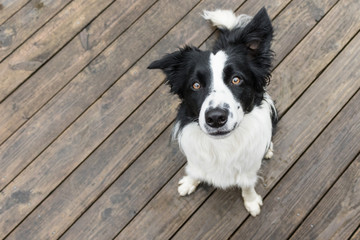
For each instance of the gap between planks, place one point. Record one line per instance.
(26, 22)
(174, 19)
(327, 209)
(37, 50)
(11, 9)
(22, 105)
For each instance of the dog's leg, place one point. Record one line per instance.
(252, 200)
(187, 185)
(269, 152)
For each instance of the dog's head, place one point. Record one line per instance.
(217, 88)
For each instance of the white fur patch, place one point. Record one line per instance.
(233, 160)
(187, 185)
(220, 95)
(226, 19)
(269, 152)
(252, 201)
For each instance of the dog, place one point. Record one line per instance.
(226, 119)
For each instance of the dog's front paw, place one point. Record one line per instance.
(270, 152)
(187, 185)
(253, 207)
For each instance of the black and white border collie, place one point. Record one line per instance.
(226, 118)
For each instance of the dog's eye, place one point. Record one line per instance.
(196, 86)
(236, 81)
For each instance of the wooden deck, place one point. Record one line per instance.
(84, 126)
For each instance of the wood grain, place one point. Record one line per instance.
(338, 213)
(102, 167)
(9, 7)
(333, 35)
(94, 211)
(68, 104)
(356, 235)
(60, 158)
(112, 100)
(144, 177)
(83, 153)
(25, 22)
(309, 14)
(47, 41)
(289, 144)
(309, 179)
(164, 214)
(66, 64)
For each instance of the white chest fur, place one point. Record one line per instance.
(233, 160)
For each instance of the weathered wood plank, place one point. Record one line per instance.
(338, 213)
(9, 7)
(47, 41)
(65, 65)
(122, 154)
(316, 54)
(102, 167)
(309, 179)
(98, 225)
(62, 157)
(164, 212)
(25, 22)
(65, 107)
(356, 235)
(151, 169)
(220, 208)
(309, 14)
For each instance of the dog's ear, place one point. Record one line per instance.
(174, 66)
(258, 33)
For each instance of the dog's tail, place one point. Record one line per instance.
(226, 19)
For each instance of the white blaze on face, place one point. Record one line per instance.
(220, 96)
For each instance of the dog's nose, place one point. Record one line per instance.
(216, 117)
